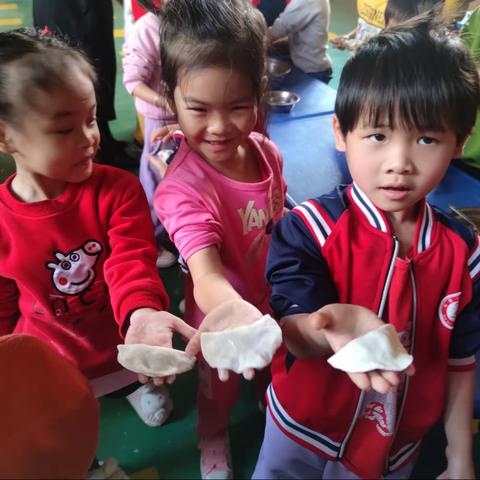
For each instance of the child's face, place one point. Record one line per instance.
(216, 109)
(396, 168)
(58, 139)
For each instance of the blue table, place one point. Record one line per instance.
(312, 166)
(316, 98)
(457, 188)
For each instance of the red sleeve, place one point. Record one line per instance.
(9, 311)
(130, 271)
(137, 10)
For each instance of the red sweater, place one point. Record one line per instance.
(73, 268)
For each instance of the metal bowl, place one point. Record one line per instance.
(277, 68)
(281, 100)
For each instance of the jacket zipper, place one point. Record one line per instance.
(381, 308)
(412, 346)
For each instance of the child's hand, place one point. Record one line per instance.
(158, 164)
(164, 134)
(342, 323)
(154, 327)
(226, 316)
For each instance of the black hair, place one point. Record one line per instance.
(33, 59)
(416, 75)
(199, 34)
(150, 5)
(401, 10)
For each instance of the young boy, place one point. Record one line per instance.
(405, 105)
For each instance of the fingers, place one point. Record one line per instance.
(193, 346)
(410, 370)
(248, 374)
(361, 380)
(393, 378)
(379, 383)
(184, 329)
(161, 134)
(142, 378)
(223, 374)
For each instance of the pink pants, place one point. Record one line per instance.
(215, 399)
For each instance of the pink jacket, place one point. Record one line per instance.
(141, 63)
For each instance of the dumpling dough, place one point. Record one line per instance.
(248, 346)
(154, 361)
(379, 349)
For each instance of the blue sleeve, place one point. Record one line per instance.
(296, 270)
(465, 339)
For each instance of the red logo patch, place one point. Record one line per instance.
(447, 311)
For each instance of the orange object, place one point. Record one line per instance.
(48, 414)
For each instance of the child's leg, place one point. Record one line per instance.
(215, 400)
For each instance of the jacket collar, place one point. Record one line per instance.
(376, 218)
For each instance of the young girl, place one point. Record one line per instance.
(141, 77)
(77, 254)
(224, 189)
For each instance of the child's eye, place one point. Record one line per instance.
(64, 131)
(240, 107)
(197, 109)
(377, 137)
(426, 141)
(92, 122)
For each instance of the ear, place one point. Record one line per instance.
(6, 145)
(459, 149)
(339, 137)
(263, 85)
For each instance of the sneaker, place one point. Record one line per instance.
(108, 469)
(215, 462)
(152, 404)
(166, 259)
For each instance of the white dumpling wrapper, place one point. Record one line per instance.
(379, 349)
(154, 361)
(248, 346)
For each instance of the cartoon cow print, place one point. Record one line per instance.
(74, 272)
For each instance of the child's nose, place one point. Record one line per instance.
(218, 123)
(88, 137)
(400, 160)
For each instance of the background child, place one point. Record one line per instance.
(77, 255)
(141, 77)
(405, 105)
(305, 22)
(224, 189)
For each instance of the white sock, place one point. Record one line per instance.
(152, 404)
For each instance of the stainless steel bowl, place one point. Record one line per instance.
(281, 100)
(277, 68)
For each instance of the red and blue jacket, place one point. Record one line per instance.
(339, 248)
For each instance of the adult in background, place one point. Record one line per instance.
(88, 24)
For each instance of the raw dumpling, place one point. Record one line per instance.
(379, 349)
(154, 361)
(248, 346)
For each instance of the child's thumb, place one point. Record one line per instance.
(318, 320)
(193, 346)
